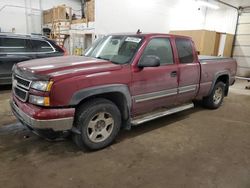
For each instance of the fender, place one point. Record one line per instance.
(217, 75)
(91, 91)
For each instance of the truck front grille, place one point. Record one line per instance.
(22, 82)
(21, 93)
(21, 87)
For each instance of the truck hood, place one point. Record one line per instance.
(58, 66)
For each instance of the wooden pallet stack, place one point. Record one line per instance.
(59, 19)
(60, 31)
(67, 32)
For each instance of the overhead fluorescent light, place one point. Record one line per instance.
(207, 4)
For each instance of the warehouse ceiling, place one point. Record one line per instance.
(237, 3)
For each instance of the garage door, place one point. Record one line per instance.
(242, 45)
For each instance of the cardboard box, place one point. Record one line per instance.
(209, 42)
(205, 41)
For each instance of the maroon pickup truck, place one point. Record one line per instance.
(123, 80)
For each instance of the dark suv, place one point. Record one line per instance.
(16, 48)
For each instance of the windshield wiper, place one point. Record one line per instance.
(107, 59)
(103, 58)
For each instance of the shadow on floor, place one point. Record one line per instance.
(17, 140)
(156, 124)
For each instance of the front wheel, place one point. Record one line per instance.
(99, 122)
(214, 100)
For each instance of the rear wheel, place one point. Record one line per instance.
(214, 100)
(99, 122)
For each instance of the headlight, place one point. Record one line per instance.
(42, 85)
(38, 100)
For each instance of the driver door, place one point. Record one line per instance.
(155, 87)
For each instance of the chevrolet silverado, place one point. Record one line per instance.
(123, 80)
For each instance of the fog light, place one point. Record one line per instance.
(38, 100)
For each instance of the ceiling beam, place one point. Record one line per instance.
(227, 4)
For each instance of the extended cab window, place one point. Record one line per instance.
(10, 45)
(185, 50)
(161, 48)
(41, 46)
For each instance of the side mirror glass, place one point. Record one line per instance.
(149, 61)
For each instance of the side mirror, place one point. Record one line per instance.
(149, 61)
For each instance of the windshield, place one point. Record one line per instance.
(115, 48)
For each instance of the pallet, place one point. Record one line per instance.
(79, 21)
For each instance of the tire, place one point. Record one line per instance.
(215, 99)
(99, 121)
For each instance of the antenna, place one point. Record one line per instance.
(138, 31)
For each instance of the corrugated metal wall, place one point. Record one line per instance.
(242, 45)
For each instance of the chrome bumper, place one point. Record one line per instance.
(62, 124)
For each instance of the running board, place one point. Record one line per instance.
(242, 78)
(145, 118)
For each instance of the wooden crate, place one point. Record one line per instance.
(47, 16)
(90, 10)
(59, 13)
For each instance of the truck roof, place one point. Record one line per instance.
(151, 34)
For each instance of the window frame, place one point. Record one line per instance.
(171, 45)
(28, 40)
(52, 47)
(27, 45)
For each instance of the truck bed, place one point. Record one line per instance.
(203, 58)
(212, 67)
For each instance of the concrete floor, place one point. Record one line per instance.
(195, 148)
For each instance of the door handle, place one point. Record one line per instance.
(173, 74)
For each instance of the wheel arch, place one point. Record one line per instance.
(223, 77)
(117, 93)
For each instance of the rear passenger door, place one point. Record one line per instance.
(42, 48)
(188, 69)
(155, 87)
(12, 51)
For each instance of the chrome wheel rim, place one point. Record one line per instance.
(218, 93)
(100, 127)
